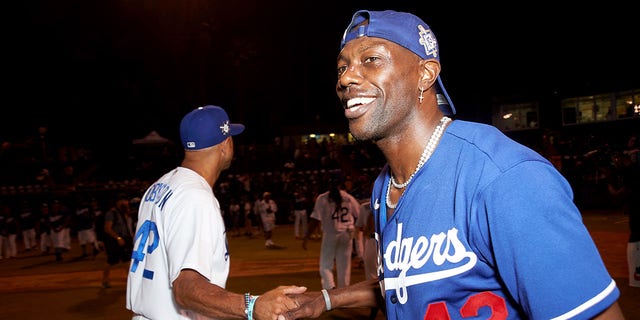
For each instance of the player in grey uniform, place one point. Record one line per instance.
(337, 211)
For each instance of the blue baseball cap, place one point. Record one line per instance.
(406, 30)
(206, 126)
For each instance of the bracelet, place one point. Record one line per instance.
(327, 301)
(247, 299)
(252, 303)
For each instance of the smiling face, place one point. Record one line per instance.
(378, 85)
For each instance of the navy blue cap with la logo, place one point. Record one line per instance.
(207, 126)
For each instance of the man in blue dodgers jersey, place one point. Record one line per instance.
(180, 260)
(469, 223)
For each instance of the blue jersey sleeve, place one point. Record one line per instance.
(542, 250)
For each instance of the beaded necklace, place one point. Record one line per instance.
(426, 154)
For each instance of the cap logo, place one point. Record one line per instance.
(225, 128)
(191, 144)
(428, 41)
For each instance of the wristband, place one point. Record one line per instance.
(247, 299)
(327, 301)
(252, 303)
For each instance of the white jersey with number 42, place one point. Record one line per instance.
(179, 227)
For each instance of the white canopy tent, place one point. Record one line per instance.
(153, 138)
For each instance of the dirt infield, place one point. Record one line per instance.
(34, 286)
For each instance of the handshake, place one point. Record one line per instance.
(294, 302)
(290, 302)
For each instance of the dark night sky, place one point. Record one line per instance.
(91, 69)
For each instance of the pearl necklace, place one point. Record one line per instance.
(426, 154)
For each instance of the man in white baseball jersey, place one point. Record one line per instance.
(337, 211)
(180, 261)
(267, 209)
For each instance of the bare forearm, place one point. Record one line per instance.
(204, 298)
(194, 293)
(360, 295)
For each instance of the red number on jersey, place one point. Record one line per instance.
(438, 311)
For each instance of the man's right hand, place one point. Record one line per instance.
(311, 305)
(273, 303)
